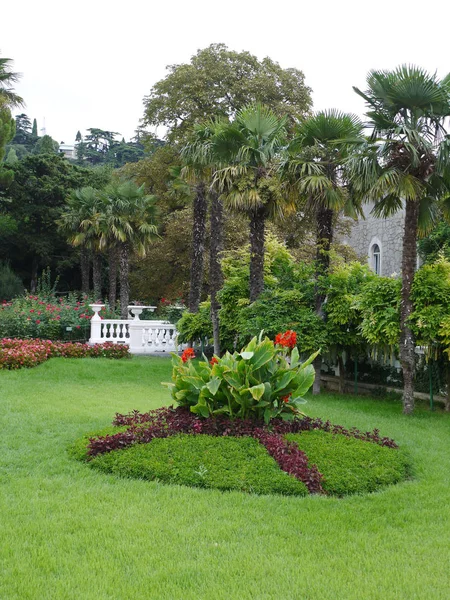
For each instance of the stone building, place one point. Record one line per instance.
(379, 241)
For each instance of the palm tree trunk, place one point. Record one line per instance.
(97, 275)
(324, 224)
(407, 341)
(257, 230)
(124, 266)
(112, 259)
(215, 269)
(85, 270)
(198, 247)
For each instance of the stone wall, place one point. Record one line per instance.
(386, 233)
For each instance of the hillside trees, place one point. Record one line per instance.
(35, 200)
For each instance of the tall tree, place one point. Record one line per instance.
(130, 219)
(7, 129)
(406, 166)
(34, 131)
(219, 82)
(315, 169)
(81, 222)
(250, 146)
(8, 97)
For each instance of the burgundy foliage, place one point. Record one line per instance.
(167, 421)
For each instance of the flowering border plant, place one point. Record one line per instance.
(263, 381)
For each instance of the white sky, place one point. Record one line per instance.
(90, 63)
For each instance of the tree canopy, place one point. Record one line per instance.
(218, 82)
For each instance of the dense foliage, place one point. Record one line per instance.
(47, 317)
(260, 382)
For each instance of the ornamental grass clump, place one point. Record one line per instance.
(264, 381)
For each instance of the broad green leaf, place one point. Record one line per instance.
(168, 385)
(298, 401)
(284, 381)
(304, 380)
(195, 382)
(263, 353)
(309, 360)
(213, 385)
(294, 357)
(232, 380)
(200, 409)
(257, 391)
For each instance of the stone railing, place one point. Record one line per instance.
(143, 337)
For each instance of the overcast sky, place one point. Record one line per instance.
(90, 63)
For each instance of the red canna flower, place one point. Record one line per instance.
(213, 361)
(288, 339)
(286, 398)
(188, 354)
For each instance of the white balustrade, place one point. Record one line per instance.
(143, 337)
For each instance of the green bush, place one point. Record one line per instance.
(349, 465)
(260, 382)
(224, 463)
(10, 284)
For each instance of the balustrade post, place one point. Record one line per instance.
(96, 325)
(135, 330)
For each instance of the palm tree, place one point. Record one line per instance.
(7, 77)
(129, 221)
(82, 221)
(249, 146)
(406, 165)
(314, 169)
(201, 164)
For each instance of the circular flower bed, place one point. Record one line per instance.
(296, 457)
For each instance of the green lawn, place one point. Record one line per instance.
(70, 532)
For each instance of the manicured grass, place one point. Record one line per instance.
(224, 463)
(70, 532)
(351, 466)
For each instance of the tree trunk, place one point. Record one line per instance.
(124, 253)
(407, 341)
(198, 247)
(257, 229)
(112, 259)
(97, 275)
(85, 270)
(341, 374)
(447, 399)
(324, 225)
(215, 269)
(34, 274)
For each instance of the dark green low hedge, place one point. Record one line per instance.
(352, 466)
(224, 463)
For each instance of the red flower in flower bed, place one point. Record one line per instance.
(288, 339)
(16, 353)
(188, 354)
(214, 361)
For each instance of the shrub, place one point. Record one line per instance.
(260, 382)
(17, 354)
(224, 463)
(36, 316)
(350, 465)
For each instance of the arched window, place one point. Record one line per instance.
(376, 258)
